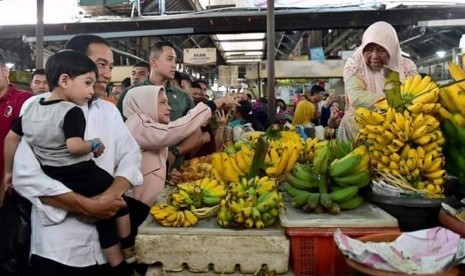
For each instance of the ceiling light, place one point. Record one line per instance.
(441, 54)
(251, 36)
(404, 54)
(254, 60)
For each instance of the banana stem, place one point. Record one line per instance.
(322, 183)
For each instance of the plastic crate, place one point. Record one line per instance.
(313, 250)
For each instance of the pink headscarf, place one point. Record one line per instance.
(142, 100)
(385, 35)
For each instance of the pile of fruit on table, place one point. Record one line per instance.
(410, 141)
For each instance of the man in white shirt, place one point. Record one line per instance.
(62, 243)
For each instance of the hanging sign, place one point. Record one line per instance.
(199, 56)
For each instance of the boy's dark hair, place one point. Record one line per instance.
(142, 64)
(72, 63)
(316, 89)
(39, 71)
(158, 48)
(81, 42)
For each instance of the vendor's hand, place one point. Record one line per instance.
(175, 176)
(226, 102)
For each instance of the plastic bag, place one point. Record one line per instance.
(15, 235)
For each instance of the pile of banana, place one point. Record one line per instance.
(196, 168)
(311, 144)
(452, 98)
(229, 167)
(253, 203)
(283, 153)
(408, 144)
(308, 185)
(180, 208)
(206, 192)
(172, 216)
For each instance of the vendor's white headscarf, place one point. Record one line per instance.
(385, 35)
(142, 100)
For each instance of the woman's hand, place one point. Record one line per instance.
(222, 117)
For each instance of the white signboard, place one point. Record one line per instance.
(228, 75)
(200, 56)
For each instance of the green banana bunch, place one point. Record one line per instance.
(252, 203)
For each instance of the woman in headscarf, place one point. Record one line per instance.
(148, 119)
(364, 76)
(304, 113)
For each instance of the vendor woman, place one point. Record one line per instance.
(363, 73)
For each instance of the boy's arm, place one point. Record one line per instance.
(74, 126)
(78, 146)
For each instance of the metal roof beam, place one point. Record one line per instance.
(246, 21)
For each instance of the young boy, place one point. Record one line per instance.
(54, 127)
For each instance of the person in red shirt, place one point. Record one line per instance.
(11, 100)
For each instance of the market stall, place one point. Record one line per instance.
(280, 195)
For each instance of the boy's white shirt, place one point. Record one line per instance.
(74, 243)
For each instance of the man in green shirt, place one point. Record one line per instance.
(162, 69)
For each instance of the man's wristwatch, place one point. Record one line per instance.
(95, 145)
(175, 152)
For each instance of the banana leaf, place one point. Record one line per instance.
(392, 89)
(258, 160)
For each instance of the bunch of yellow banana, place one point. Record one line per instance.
(196, 168)
(253, 203)
(452, 98)
(171, 216)
(205, 192)
(419, 95)
(281, 156)
(400, 141)
(231, 167)
(311, 144)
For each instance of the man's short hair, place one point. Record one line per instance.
(158, 47)
(39, 71)
(196, 84)
(316, 89)
(81, 42)
(142, 64)
(202, 81)
(178, 76)
(185, 76)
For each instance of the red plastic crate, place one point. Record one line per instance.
(314, 252)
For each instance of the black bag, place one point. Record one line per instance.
(15, 235)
